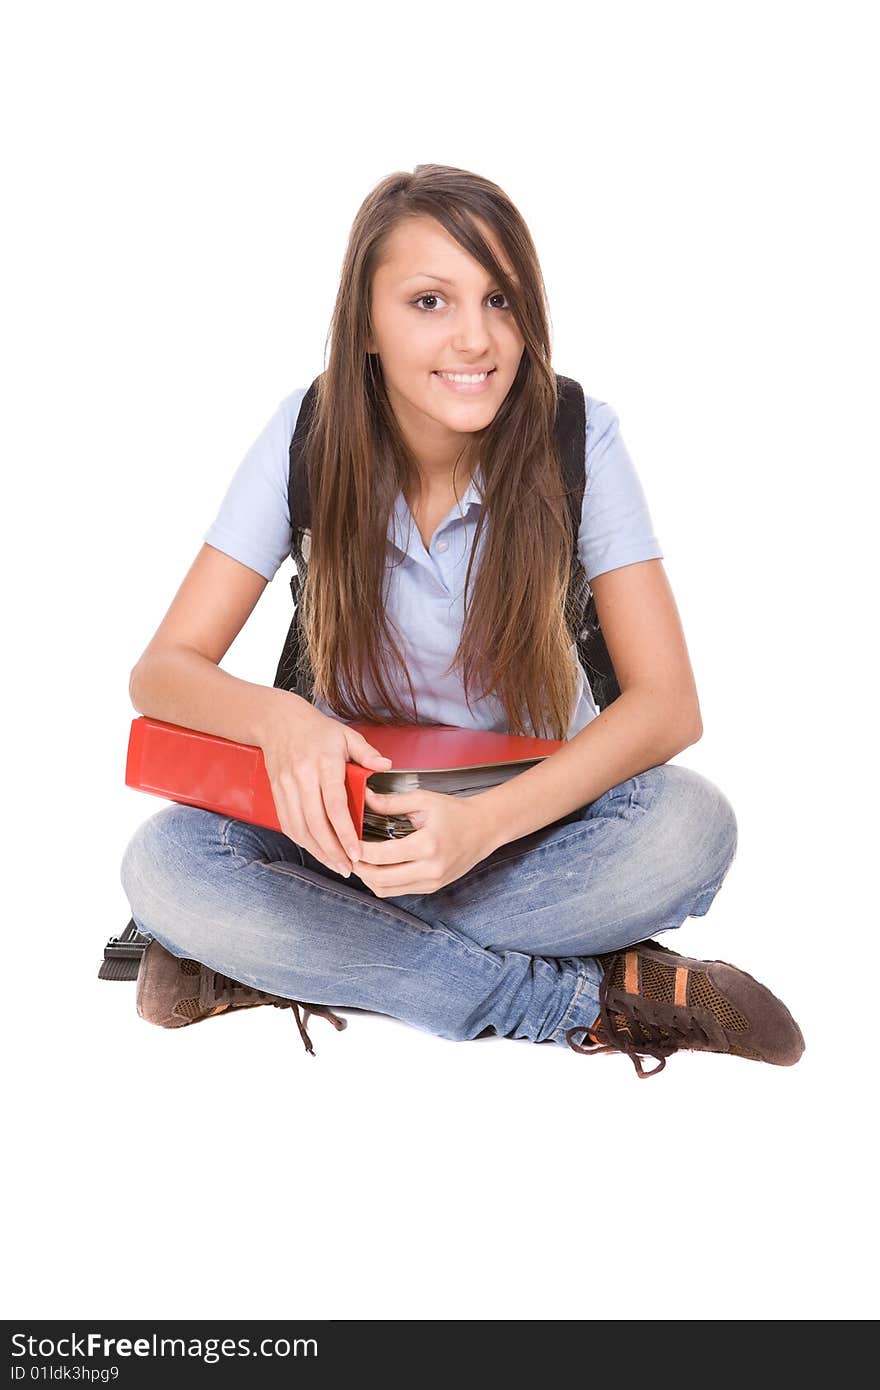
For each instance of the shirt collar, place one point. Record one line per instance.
(401, 519)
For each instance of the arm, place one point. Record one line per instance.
(178, 677)
(656, 715)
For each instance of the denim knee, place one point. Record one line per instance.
(705, 830)
(157, 865)
(140, 856)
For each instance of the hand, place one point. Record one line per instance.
(452, 834)
(305, 752)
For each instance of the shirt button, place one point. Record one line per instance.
(442, 545)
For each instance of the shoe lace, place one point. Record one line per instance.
(225, 987)
(624, 1022)
(320, 1010)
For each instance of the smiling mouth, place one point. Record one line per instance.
(485, 374)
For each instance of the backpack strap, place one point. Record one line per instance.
(293, 672)
(580, 606)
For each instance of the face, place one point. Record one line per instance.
(435, 309)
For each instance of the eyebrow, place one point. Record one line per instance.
(429, 275)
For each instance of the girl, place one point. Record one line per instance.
(433, 476)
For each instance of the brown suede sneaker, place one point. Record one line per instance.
(653, 1002)
(173, 991)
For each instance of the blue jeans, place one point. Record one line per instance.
(507, 948)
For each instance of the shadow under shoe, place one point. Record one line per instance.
(174, 991)
(653, 1002)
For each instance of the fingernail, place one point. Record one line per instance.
(353, 855)
(341, 869)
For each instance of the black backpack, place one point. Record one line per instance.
(580, 605)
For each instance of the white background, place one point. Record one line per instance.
(180, 181)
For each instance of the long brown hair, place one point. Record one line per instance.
(515, 642)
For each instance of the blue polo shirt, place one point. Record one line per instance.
(425, 588)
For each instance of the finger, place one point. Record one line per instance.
(327, 847)
(385, 883)
(411, 804)
(290, 817)
(372, 754)
(335, 799)
(404, 850)
(395, 802)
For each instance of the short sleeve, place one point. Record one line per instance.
(253, 523)
(616, 527)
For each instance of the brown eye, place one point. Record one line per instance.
(429, 294)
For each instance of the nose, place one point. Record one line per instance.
(472, 337)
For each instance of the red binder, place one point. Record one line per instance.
(221, 775)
